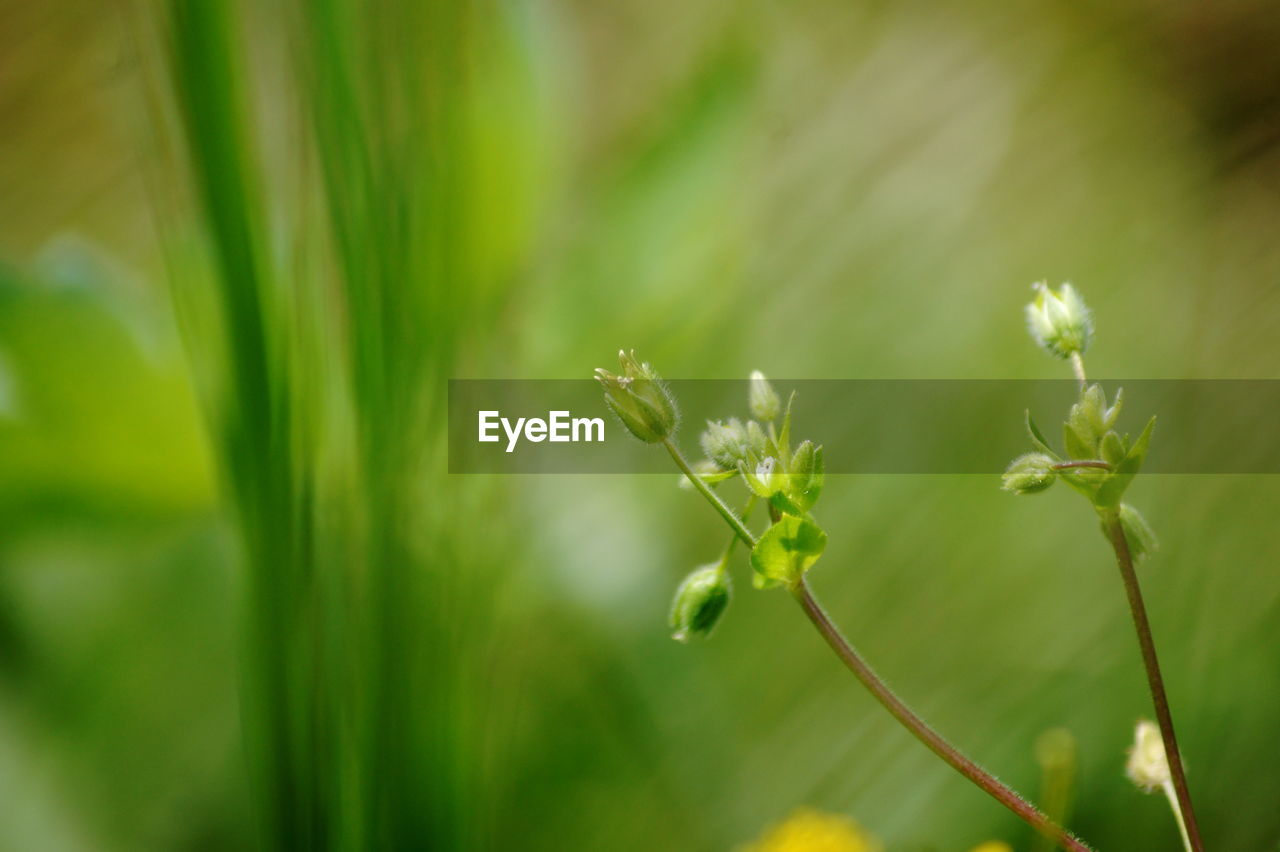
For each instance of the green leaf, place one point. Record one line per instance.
(1113, 488)
(1113, 449)
(784, 433)
(787, 550)
(1038, 439)
(1113, 413)
(1078, 445)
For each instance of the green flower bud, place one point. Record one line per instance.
(1142, 539)
(725, 443)
(1029, 474)
(807, 473)
(640, 400)
(764, 402)
(1060, 321)
(699, 602)
(757, 440)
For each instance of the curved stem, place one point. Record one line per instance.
(921, 730)
(1124, 558)
(733, 539)
(725, 512)
(1072, 465)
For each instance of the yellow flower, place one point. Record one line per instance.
(993, 846)
(809, 830)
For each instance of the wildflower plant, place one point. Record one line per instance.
(1101, 463)
(787, 477)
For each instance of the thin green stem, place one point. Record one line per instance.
(1077, 366)
(1172, 796)
(1079, 463)
(921, 729)
(1124, 558)
(734, 522)
(733, 539)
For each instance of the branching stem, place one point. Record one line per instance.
(878, 688)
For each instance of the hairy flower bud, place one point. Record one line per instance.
(699, 602)
(725, 443)
(640, 400)
(1148, 766)
(1142, 539)
(804, 483)
(1060, 321)
(764, 402)
(1029, 474)
(757, 441)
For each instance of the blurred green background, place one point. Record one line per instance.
(242, 246)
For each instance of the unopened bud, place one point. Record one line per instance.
(764, 402)
(1029, 474)
(1060, 321)
(725, 443)
(804, 484)
(757, 441)
(699, 602)
(1148, 766)
(1142, 539)
(640, 400)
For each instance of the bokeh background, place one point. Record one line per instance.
(243, 245)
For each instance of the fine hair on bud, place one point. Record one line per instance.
(1059, 320)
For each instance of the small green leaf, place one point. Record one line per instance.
(784, 433)
(1113, 449)
(1038, 439)
(1113, 488)
(1076, 438)
(1113, 413)
(787, 550)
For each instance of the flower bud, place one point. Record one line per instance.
(1029, 474)
(757, 440)
(640, 400)
(805, 481)
(1142, 539)
(725, 443)
(1060, 321)
(1148, 766)
(763, 400)
(699, 602)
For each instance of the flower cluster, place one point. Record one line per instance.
(787, 479)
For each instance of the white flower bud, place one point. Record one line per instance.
(1060, 321)
(1147, 767)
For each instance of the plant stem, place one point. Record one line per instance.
(1172, 796)
(921, 730)
(734, 522)
(1072, 465)
(733, 539)
(1077, 366)
(878, 688)
(1124, 558)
